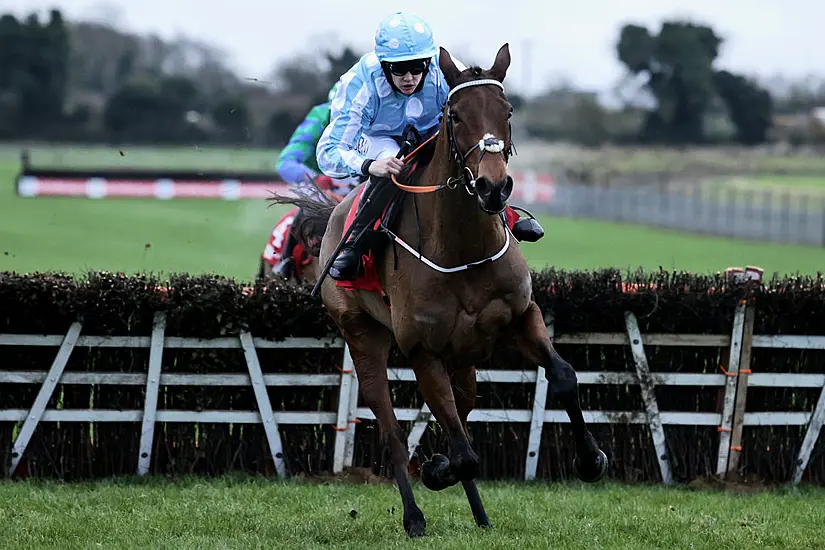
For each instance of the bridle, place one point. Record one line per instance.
(489, 143)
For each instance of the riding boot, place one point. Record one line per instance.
(526, 229)
(286, 266)
(373, 200)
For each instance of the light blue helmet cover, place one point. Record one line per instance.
(403, 36)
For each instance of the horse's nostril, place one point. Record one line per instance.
(507, 188)
(483, 186)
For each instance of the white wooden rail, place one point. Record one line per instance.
(734, 378)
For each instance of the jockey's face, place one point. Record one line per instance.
(406, 75)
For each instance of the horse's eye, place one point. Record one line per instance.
(454, 116)
(510, 114)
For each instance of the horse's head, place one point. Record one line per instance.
(477, 116)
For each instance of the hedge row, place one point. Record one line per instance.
(210, 306)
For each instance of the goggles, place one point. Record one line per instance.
(414, 66)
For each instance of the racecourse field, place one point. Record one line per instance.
(243, 513)
(212, 236)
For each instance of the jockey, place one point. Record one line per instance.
(397, 86)
(297, 166)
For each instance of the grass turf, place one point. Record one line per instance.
(232, 513)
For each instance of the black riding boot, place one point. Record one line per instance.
(286, 266)
(526, 229)
(373, 200)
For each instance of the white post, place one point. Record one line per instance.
(264, 405)
(537, 416)
(417, 431)
(43, 396)
(657, 430)
(150, 407)
(740, 402)
(342, 424)
(814, 427)
(352, 418)
(536, 425)
(729, 402)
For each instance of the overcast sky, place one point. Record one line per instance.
(548, 39)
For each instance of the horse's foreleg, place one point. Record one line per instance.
(464, 391)
(440, 472)
(369, 348)
(534, 342)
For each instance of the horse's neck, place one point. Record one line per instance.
(453, 227)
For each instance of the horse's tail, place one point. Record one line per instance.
(316, 209)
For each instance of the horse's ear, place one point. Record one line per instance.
(448, 67)
(501, 64)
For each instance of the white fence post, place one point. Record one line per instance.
(811, 435)
(342, 425)
(731, 374)
(273, 435)
(352, 418)
(417, 431)
(531, 462)
(43, 396)
(150, 406)
(646, 384)
(536, 425)
(740, 402)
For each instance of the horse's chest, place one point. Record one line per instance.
(461, 324)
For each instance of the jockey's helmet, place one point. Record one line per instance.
(403, 37)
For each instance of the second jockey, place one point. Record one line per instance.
(396, 87)
(297, 166)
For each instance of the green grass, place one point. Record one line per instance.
(223, 513)
(211, 236)
(797, 185)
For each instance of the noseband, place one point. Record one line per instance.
(488, 143)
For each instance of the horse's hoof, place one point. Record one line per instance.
(485, 525)
(592, 472)
(434, 471)
(416, 529)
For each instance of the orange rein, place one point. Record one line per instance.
(417, 188)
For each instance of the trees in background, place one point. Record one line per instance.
(678, 66)
(86, 81)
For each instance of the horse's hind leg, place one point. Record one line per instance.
(464, 391)
(534, 342)
(440, 472)
(369, 344)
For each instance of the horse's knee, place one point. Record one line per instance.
(465, 466)
(562, 377)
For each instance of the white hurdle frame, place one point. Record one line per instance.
(735, 378)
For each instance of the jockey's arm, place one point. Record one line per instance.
(297, 159)
(336, 152)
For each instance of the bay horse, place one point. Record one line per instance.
(445, 320)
